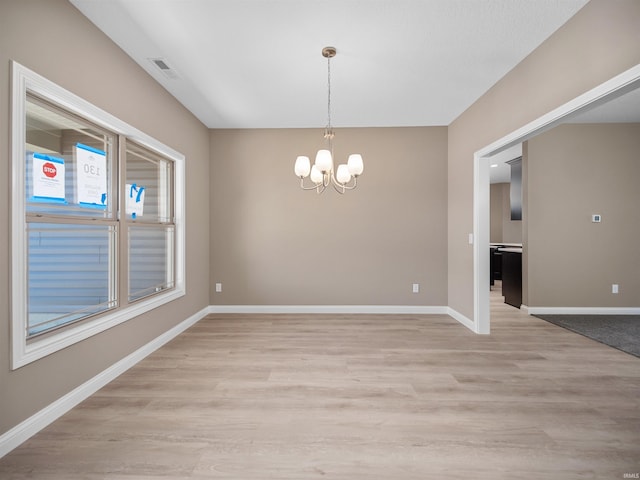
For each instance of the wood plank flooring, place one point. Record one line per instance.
(354, 397)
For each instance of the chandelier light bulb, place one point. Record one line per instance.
(343, 176)
(302, 166)
(324, 162)
(316, 175)
(356, 166)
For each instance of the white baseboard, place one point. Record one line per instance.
(466, 321)
(581, 310)
(347, 309)
(32, 425)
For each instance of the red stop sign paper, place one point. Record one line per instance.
(48, 178)
(49, 169)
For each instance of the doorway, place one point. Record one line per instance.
(613, 88)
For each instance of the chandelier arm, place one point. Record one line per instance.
(348, 186)
(326, 179)
(312, 187)
(338, 188)
(303, 187)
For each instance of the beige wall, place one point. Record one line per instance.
(575, 171)
(274, 244)
(503, 229)
(52, 38)
(600, 41)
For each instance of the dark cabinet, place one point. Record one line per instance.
(512, 277)
(495, 264)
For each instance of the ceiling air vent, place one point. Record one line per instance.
(162, 65)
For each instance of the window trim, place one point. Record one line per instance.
(23, 352)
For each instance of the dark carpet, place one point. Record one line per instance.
(617, 331)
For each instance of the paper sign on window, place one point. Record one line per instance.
(48, 178)
(134, 200)
(91, 176)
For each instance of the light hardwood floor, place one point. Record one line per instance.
(355, 397)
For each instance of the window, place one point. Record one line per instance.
(70, 262)
(148, 194)
(97, 232)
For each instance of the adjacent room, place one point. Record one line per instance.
(272, 239)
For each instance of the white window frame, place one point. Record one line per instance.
(23, 352)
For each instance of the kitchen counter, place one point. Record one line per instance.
(512, 250)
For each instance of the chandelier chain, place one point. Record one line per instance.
(329, 93)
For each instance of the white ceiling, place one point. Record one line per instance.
(258, 63)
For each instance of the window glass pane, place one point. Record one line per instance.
(149, 185)
(68, 273)
(68, 163)
(150, 260)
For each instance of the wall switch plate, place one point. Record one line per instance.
(596, 218)
(614, 288)
(218, 287)
(471, 239)
(416, 288)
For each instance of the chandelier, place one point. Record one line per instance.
(322, 173)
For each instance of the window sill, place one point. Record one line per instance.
(26, 353)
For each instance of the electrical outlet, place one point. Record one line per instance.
(416, 288)
(218, 287)
(614, 288)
